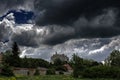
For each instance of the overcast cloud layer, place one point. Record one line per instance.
(89, 28)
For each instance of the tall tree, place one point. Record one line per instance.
(15, 49)
(114, 59)
(77, 63)
(16, 59)
(57, 62)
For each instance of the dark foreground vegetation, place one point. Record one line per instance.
(110, 68)
(82, 68)
(50, 77)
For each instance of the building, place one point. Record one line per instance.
(29, 71)
(23, 71)
(68, 72)
(42, 70)
(62, 57)
(69, 69)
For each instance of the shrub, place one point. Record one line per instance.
(37, 72)
(101, 72)
(61, 72)
(60, 68)
(50, 72)
(7, 71)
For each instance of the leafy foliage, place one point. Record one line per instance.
(15, 49)
(114, 59)
(61, 72)
(60, 68)
(101, 72)
(34, 63)
(50, 72)
(12, 57)
(37, 72)
(77, 63)
(7, 71)
(80, 64)
(58, 62)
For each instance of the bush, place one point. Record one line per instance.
(37, 72)
(76, 73)
(60, 68)
(61, 72)
(101, 72)
(7, 71)
(50, 72)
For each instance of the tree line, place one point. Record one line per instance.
(87, 69)
(11, 57)
(81, 67)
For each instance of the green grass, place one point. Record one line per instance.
(46, 77)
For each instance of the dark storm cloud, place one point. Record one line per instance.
(67, 11)
(38, 36)
(11, 3)
(88, 18)
(69, 19)
(8, 4)
(100, 26)
(26, 38)
(70, 26)
(58, 34)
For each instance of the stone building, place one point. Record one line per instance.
(28, 71)
(23, 71)
(42, 70)
(69, 69)
(68, 72)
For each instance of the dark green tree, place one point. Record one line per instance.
(33, 63)
(37, 72)
(77, 63)
(15, 49)
(7, 70)
(50, 72)
(57, 62)
(90, 63)
(12, 57)
(16, 52)
(7, 57)
(113, 59)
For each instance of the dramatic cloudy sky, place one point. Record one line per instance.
(90, 28)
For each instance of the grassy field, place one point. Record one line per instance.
(47, 77)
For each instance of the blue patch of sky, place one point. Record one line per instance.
(21, 16)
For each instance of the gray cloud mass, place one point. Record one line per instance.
(89, 28)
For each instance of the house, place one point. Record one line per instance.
(62, 57)
(29, 71)
(68, 67)
(42, 70)
(68, 72)
(23, 71)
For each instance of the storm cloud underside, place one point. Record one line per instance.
(89, 28)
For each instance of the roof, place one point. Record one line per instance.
(42, 68)
(68, 67)
(17, 68)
